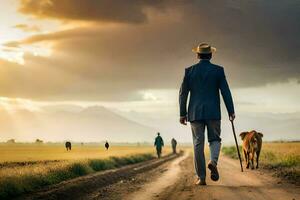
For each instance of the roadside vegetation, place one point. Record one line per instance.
(26, 167)
(17, 180)
(281, 157)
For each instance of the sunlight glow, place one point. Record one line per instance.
(12, 104)
(13, 56)
(10, 32)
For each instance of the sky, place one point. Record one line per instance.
(129, 56)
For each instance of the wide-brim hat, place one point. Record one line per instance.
(204, 48)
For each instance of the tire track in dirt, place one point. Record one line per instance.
(153, 189)
(83, 187)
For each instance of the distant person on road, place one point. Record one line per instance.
(106, 145)
(204, 81)
(159, 143)
(174, 144)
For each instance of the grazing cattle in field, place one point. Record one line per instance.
(252, 142)
(106, 145)
(68, 146)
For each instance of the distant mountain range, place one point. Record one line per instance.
(57, 123)
(96, 123)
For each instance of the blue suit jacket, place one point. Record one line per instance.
(203, 81)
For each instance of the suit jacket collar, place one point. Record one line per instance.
(204, 61)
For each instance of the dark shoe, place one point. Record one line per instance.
(214, 174)
(200, 182)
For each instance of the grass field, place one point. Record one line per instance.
(281, 157)
(42, 152)
(28, 167)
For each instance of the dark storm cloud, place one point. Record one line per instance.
(258, 43)
(132, 11)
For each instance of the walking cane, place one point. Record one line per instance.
(236, 144)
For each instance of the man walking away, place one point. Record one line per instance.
(174, 144)
(203, 81)
(159, 143)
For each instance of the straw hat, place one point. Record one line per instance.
(204, 48)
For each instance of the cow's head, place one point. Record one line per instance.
(243, 135)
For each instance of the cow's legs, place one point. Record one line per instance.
(245, 156)
(257, 157)
(248, 160)
(252, 160)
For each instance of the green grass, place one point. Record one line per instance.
(231, 151)
(283, 158)
(17, 184)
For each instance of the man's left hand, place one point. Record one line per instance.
(232, 117)
(183, 120)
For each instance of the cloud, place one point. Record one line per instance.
(12, 44)
(90, 10)
(27, 28)
(257, 44)
(41, 78)
(55, 36)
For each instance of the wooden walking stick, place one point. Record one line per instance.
(236, 144)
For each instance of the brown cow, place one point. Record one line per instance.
(252, 142)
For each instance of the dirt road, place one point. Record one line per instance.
(233, 185)
(173, 178)
(175, 181)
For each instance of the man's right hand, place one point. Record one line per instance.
(183, 120)
(232, 117)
